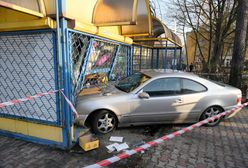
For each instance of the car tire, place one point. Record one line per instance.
(104, 122)
(209, 112)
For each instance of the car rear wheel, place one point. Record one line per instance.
(210, 112)
(104, 122)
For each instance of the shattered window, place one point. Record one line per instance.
(79, 45)
(136, 58)
(100, 60)
(120, 68)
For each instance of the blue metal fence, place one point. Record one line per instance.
(120, 69)
(156, 58)
(95, 60)
(28, 66)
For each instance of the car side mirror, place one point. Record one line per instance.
(144, 95)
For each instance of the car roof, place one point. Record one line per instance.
(166, 72)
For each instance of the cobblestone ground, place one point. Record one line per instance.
(219, 147)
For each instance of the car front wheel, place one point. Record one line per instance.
(104, 122)
(210, 112)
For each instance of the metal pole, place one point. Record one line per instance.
(128, 62)
(58, 31)
(147, 56)
(133, 59)
(165, 55)
(66, 115)
(180, 64)
(114, 61)
(140, 57)
(157, 61)
(152, 59)
(175, 57)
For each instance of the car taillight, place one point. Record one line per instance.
(239, 99)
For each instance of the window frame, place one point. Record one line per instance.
(159, 79)
(206, 89)
(181, 86)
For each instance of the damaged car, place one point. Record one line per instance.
(156, 97)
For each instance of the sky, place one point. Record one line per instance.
(164, 11)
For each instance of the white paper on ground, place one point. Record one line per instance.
(122, 146)
(112, 147)
(116, 139)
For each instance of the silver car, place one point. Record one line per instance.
(156, 97)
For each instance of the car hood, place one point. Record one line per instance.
(109, 91)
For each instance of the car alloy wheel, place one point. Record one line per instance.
(210, 112)
(104, 122)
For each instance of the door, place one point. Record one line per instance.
(192, 95)
(161, 105)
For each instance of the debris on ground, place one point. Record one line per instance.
(88, 142)
(111, 148)
(121, 147)
(117, 147)
(116, 139)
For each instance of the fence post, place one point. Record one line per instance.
(64, 73)
(140, 58)
(114, 61)
(165, 55)
(181, 60)
(152, 59)
(157, 61)
(175, 57)
(129, 61)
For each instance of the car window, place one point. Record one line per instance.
(189, 86)
(163, 87)
(132, 82)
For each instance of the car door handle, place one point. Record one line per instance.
(179, 100)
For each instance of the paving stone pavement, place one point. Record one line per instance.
(224, 146)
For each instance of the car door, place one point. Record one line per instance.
(161, 105)
(192, 96)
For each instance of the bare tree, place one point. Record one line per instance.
(240, 44)
(152, 7)
(224, 19)
(212, 22)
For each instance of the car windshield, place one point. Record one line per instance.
(131, 82)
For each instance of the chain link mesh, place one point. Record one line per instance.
(95, 62)
(121, 65)
(27, 68)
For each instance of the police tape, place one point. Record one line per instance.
(160, 140)
(70, 104)
(28, 98)
(17, 101)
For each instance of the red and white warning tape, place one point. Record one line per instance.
(17, 101)
(150, 144)
(70, 104)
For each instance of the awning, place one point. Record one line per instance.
(115, 12)
(160, 33)
(31, 8)
(144, 21)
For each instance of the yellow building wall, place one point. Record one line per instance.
(191, 47)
